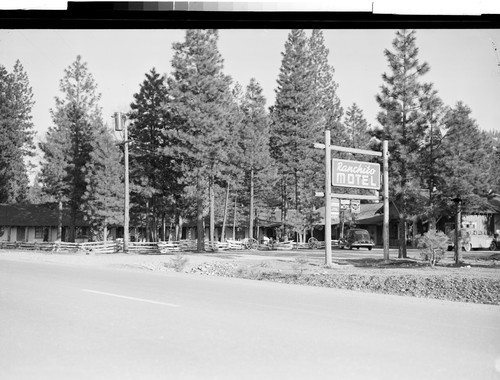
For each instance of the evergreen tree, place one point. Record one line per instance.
(16, 133)
(399, 99)
(291, 118)
(69, 143)
(327, 114)
(306, 104)
(328, 110)
(425, 165)
(153, 170)
(494, 176)
(35, 192)
(467, 160)
(253, 142)
(103, 199)
(356, 127)
(200, 104)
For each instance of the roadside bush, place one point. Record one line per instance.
(299, 265)
(178, 262)
(434, 245)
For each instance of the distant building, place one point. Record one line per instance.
(37, 223)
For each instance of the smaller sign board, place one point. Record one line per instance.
(355, 206)
(335, 207)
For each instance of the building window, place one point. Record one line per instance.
(82, 232)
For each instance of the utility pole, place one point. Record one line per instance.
(328, 200)
(458, 219)
(385, 233)
(121, 124)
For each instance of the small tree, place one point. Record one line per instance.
(434, 244)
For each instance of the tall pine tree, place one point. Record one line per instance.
(16, 133)
(103, 199)
(356, 128)
(153, 170)
(69, 142)
(254, 143)
(291, 117)
(306, 104)
(200, 106)
(467, 160)
(426, 167)
(399, 99)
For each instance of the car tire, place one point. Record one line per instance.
(369, 248)
(493, 246)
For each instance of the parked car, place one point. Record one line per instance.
(356, 238)
(470, 238)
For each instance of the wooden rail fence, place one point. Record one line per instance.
(161, 247)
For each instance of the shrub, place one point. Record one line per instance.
(299, 265)
(433, 244)
(178, 262)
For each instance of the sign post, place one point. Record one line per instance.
(328, 201)
(357, 174)
(385, 155)
(355, 206)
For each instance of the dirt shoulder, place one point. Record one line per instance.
(477, 280)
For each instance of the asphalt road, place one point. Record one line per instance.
(68, 322)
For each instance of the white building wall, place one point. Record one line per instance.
(13, 234)
(30, 234)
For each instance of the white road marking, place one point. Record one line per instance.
(131, 298)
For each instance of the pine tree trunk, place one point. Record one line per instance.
(296, 190)
(212, 208)
(251, 211)
(226, 204)
(147, 221)
(59, 220)
(72, 223)
(178, 229)
(200, 233)
(154, 223)
(163, 228)
(234, 220)
(284, 204)
(403, 226)
(104, 231)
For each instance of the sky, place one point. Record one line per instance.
(463, 62)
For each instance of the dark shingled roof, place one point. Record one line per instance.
(42, 215)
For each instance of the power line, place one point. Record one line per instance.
(496, 54)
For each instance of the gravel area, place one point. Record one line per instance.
(476, 281)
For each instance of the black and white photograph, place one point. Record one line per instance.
(249, 190)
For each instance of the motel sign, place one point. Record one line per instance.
(359, 174)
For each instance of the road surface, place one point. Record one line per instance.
(69, 322)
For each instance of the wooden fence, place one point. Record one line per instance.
(162, 247)
(100, 247)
